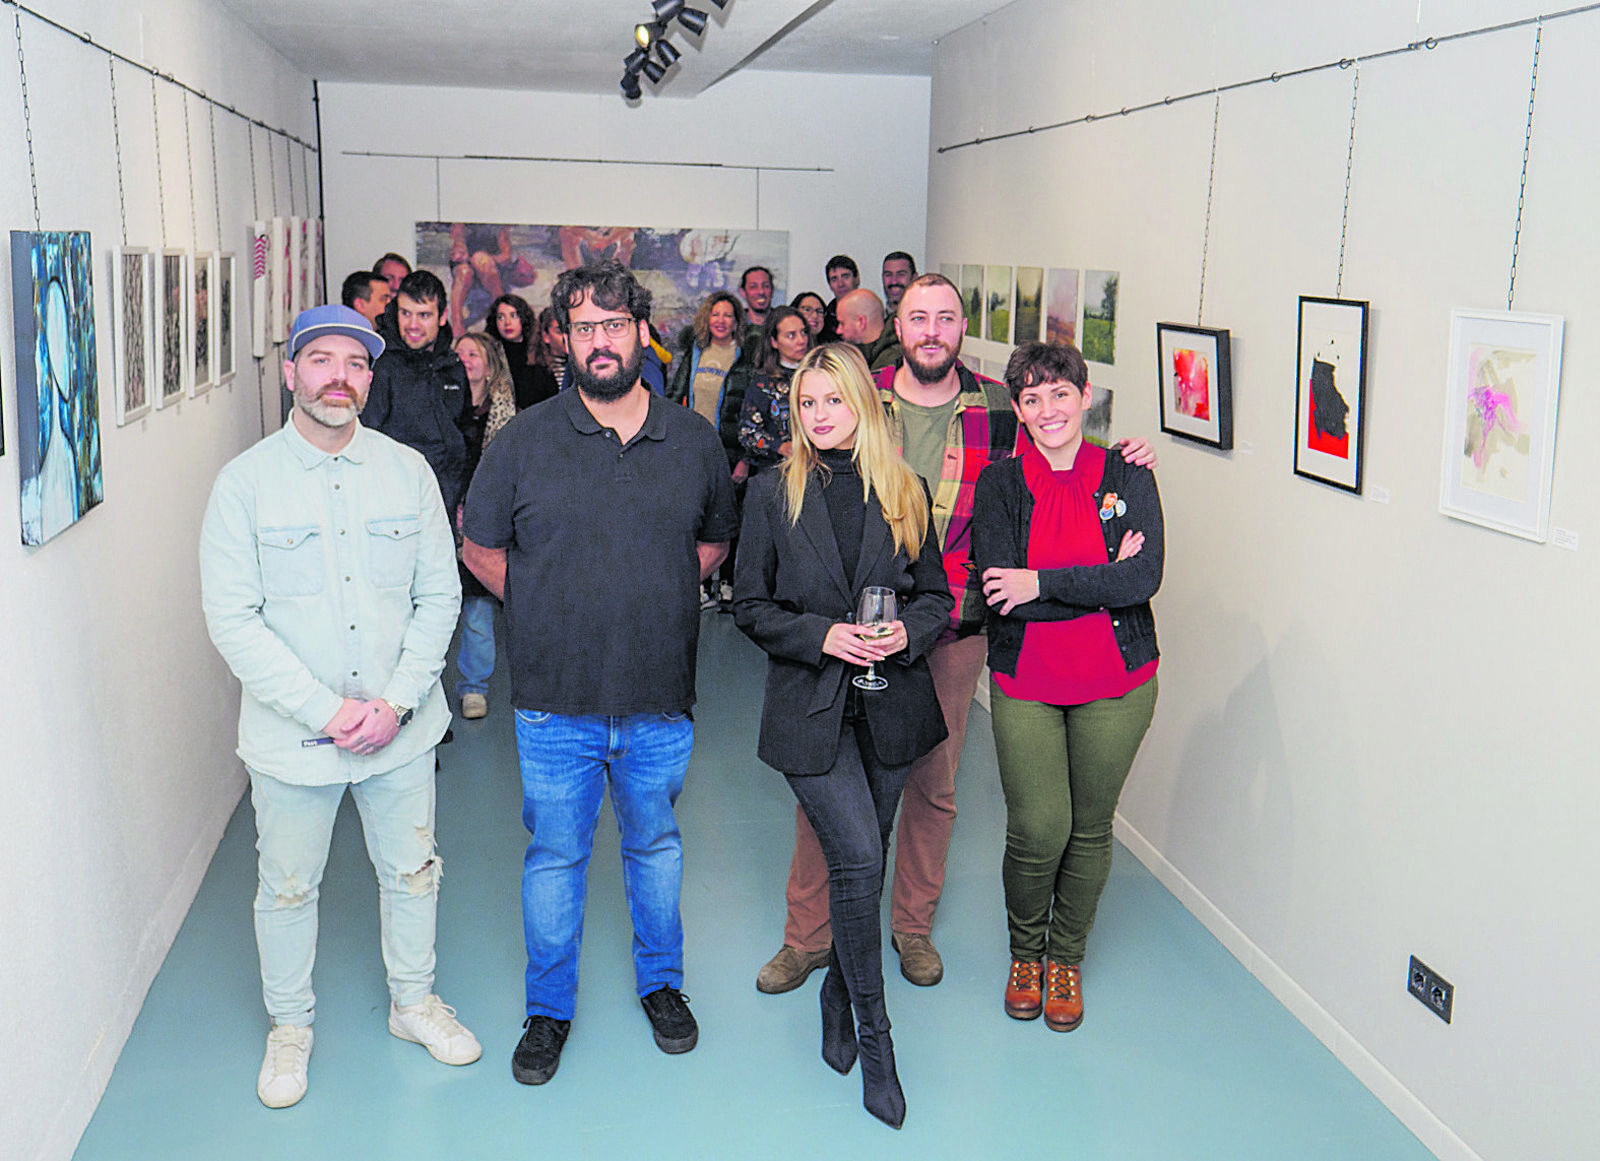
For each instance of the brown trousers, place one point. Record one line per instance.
(927, 816)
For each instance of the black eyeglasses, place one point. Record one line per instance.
(615, 328)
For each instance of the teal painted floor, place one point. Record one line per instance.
(1182, 1056)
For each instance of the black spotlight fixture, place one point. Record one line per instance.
(693, 19)
(634, 61)
(630, 86)
(721, 4)
(667, 54)
(654, 71)
(665, 10)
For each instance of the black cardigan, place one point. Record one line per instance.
(1002, 509)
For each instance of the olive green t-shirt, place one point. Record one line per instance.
(927, 430)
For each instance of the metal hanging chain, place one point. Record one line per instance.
(188, 152)
(27, 122)
(1349, 166)
(288, 168)
(272, 172)
(116, 137)
(161, 186)
(216, 179)
(255, 198)
(1211, 185)
(1527, 144)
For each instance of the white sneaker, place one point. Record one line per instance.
(283, 1072)
(433, 1025)
(474, 705)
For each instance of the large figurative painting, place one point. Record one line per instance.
(134, 277)
(1500, 420)
(58, 398)
(1330, 431)
(478, 262)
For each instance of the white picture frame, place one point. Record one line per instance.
(133, 282)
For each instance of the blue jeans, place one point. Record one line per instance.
(475, 654)
(293, 827)
(567, 762)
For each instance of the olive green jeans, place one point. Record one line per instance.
(1062, 770)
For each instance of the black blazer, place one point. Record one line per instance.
(790, 585)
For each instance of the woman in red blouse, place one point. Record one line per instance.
(1069, 543)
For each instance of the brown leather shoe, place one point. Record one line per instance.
(787, 970)
(1063, 996)
(1024, 996)
(919, 960)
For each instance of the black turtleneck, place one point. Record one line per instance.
(841, 488)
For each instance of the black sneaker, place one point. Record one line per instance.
(538, 1053)
(671, 1020)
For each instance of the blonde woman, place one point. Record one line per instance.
(844, 512)
(493, 403)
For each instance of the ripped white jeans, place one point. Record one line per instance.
(294, 825)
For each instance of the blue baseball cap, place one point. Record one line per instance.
(333, 319)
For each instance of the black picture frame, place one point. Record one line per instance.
(1194, 371)
(1330, 393)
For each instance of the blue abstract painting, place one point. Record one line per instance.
(58, 397)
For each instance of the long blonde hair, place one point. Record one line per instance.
(497, 375)
(882, 471)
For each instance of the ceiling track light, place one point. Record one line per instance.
(653, 55)
(693, 19)
(667, 53)
(665, 10)
(634, 61)
(654, 71)
(630, 86)
(721, 4)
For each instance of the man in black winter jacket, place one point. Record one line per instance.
(419, 390)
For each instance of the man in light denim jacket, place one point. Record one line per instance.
(328, 579)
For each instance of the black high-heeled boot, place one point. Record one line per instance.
(838, 1025)
(880, 1084)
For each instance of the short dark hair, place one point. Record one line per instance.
(608, 284)
(391, 256)
(745, 277)
(424, 286)
(843, 261)
(358, 285)
(1034, 363)
(900, 256)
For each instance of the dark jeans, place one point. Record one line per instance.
(852, 809)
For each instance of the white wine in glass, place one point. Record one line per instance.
(875, 611)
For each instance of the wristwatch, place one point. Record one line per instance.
(402, 714)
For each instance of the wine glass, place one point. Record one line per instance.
(876, 611)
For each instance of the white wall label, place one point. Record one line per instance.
(1380, 495)
(1246, 448)
(1564, 538)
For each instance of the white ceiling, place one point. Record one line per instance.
(578, 45)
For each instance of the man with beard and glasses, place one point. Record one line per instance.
(328, 580)
(949, 424)
(595, 515)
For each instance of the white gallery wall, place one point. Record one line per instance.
(1373, 736)
(865, 138)
(117, 772)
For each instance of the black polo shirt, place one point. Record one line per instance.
(602, 576)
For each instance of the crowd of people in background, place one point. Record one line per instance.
(792, 461)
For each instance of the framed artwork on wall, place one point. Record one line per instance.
(1100, 316)
(133, 270)
(1195, 369)
(972, 298)
(997, 303)
(201, 335)
(1061, 310)
(1330, 434)
(58, 396)
(1025, 324)
(1501, 397)
(260, 289)
(294, 272)
(226, 310)
(173, 298)
(1097, 420)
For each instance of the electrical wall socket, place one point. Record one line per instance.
(1435, 992)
